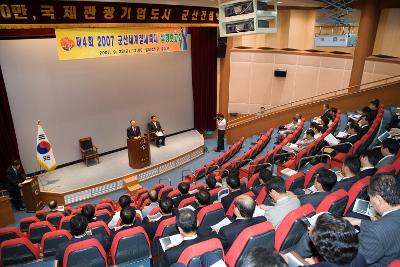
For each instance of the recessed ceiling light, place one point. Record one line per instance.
(279, 2)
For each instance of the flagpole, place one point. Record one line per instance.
(40, 166)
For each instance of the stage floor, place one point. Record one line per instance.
(116, 164)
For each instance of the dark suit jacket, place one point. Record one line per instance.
(363, 130)
(228, 199)
(124, 227)
(367, 172)
(257, 189)
(358, 261)
(345, 183)
(346, 147)
(13, 178)
(380, 240)
(131, 133)
(151, 227)
(314, 199)
(105, 242)
(152, 128)
(179, 198)
(229, 233)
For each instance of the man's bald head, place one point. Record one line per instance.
(153, 195)
(245, 205)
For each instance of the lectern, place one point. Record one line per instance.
(7, 214)
(139, 152)
(30, 191)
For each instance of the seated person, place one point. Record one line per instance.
(380, 238)
(394, 122)
(78, 231)
(154, 127)
(151, 222)
(336, 241)
(53, 208)
(88, 211)
(153, 197)
(307, 139)
(203, 198)
(262, 257)
(123, 201)
(345, 143)
(317, 129)
(183, 188)
(186, 222)
(364, 125)
(243, 209)
(325, 180)
(389, 149)
(368, 159)
(233, 182)
(128, 220)
(350, 170)
(263, 177)
(283, 203)
(133, 131)
(325, 124)
(211, 182)
(288, 128)
(374, 106)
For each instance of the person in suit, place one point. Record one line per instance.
(283, 203)
(203, 198)
(221, 126)
(243, 209)
(352, 137)
(154, 126)
(186, 222)
(233, 182)
(263, 177)
(389, 149)
(123, 201)
(79, 225)
(183, 188)
(151, 223)
(336, 241)
(88, 211)
(373, 105)
(53, 208)
(211, 182)
(308, 139)
(317, 129)
(364, 125)
(350, 171)
(380, 237)
(153, 197)
(14, 178)
(133, 131)
(368, 159)
(128, 220)
(262, 257)
(324, 181)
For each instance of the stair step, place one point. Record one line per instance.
(133, 188)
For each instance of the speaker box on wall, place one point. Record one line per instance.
(280, 73)
(221, 48)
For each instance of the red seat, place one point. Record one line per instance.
(261, 235)
(105, 206)
(396, 165)
(309, 179)
(38, 229)
(124, 247)
(51, 240)
(395, 263)
(54, 218)
(289, 232)
(191, 255)
(164, 192)
(18, 251)
(7, 233)
(25, 222)
(84, 204)
(389, 169)
(253, 181)
(214, 193)
(88, 252)
(64, 223)
(76, 211)
(174, 193)
(142, 199)
(68, 210)
(139, 193)
(262, 196)
(229, 212)
(295, 181)
(107, 200)
(154, 210)
(197, 186)
(334, 203)
(357, 190)
(158, 187)
(41, 214)
(166, 228)
(210, 215)
(103, 215)
(99, 227)
(187, 201)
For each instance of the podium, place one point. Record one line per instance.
(30, 191)
(7, 214)
(139, 152)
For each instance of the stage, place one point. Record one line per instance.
(78, 182)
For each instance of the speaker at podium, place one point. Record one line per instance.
(139, 152)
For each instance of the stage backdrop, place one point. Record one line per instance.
(91, 97)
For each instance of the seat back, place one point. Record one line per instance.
(389, 169)
(174, 193)
(210, 215)
(124, 247)
(357, 190)
(99, 228)
(54, 218)
(334, 203)
(292, 228)
(64, 223)
(17, 251)
(105, 206)
(262, 196)
(86, 143)
(103, 215)
(7, 233)
(261, 235)
(229, 212)
(310, 174)
(395, 263)
(139, 193)
(187, 201)
(166, 228)
(25, 222)
(88, 253)
(38, 229)
(253, 181)
(163, 193)
(41, 214)
(51, 240)
(190, 256)
(295, 181)
(107, 200)
(158, 187)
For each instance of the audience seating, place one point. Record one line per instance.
(139, 193)
(310, 174)
(256, 236)
(7, 233)
(158, 187)
(99, 228)
(41, 214)
(334, 203)
(85, 253)
(107, 200)
(174, 193)
(291, 229)
(190, 257)
(38, 229)
(214, 194)
(54, 218)
(295, 181)
(125, 246)
(210, 215)
(103, 215)
(64, 223)
(166, 228)
(25, 222)
(388, 169)
(262, 196)
(51, 240)
(105, 206)
(187, 201)
(76, 211)
(17, 251)
(229, 212)
(395, 263)
(358, 190)
(164, 192)
(154, 210)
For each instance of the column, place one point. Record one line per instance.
(224, 79)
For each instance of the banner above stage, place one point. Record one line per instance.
(110, 42)
(24, 14)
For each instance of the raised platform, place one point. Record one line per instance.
(77, 182)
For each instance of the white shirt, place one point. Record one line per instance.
(318, 135)
(221, 124)
(389, 211)
(366, 168)
(190, 237)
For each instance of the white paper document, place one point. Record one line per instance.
(288, 172)
(170, 241)
(221, 224)
(258, 212)
(341, 135)
(331, 140)
(312, 220)
(190, 207)
(159, 133)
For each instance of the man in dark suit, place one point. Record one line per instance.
(154, 126)
(364, 125)
(88, 211)
(263, 176)
(389, 149)
(325, 180)
(183, 188)
(233, 182)
(14, 178)
(380, 238)
(352, 137)
(79, 226)
(187, 226)
(151, 223)
(202, 200)
(133, 131)
(244, 209)
(369, 158)
(350, 171)
(128, 221)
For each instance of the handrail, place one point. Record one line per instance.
(316, 98)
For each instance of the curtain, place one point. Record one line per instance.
(204, 77)
(8, 140)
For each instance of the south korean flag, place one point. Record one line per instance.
(44, 151)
